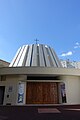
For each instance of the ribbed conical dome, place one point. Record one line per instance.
(35, 55)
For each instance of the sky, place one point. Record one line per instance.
(53, 22)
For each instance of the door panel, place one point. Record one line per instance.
(41, 93)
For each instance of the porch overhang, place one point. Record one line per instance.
(39, 71)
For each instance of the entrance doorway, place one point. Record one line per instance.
(2, 89)
(42, 93)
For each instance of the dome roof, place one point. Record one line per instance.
(35, 55)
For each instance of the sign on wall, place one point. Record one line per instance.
(63, 93)
(10, 89)
(21, 93)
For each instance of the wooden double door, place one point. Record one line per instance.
(2, 89)
(42, 93)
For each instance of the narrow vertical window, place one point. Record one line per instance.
(38, 62)
(25, 59)
(53, 57)
(44, 56)
(50, 60)
(31, 55)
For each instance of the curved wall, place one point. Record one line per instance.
(35, 55)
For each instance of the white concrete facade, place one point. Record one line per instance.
(71, 78)
(35, 55)
(72, 86)
(39, 61)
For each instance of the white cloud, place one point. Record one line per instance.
(69, 53)
(63, 55)
(75, 47)
(77, 43)
(66, 54)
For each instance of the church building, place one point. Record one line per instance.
(36, 76)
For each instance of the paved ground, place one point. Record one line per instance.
(62, 112)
